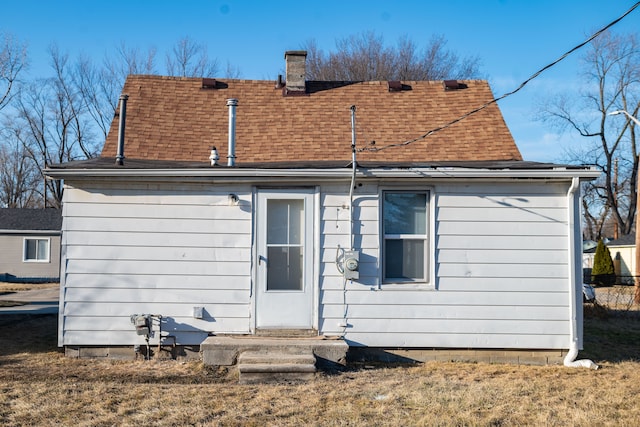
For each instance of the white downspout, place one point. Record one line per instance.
(353, 175)
(570, 359)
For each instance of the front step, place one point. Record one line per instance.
(268, 367)
(225, 350)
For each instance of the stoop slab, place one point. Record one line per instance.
(224, 350)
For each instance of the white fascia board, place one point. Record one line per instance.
(32, 232)
(242, 174)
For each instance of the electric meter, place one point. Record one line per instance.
(351, 264)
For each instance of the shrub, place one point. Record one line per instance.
(603, 272)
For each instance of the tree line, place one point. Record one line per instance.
(609, 81)
(66, 115)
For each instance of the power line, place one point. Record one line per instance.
(370, 147)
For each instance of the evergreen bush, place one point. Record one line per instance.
(603, 272)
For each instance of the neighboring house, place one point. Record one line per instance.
(623, 251)
(451, 241)
(30, 245)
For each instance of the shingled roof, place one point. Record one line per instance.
(171, 118)
(30, 219)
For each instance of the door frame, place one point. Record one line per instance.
(316, 250)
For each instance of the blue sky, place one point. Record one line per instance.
(513, 38)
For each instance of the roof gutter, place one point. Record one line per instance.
(337, 173)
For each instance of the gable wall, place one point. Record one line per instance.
(500, 251)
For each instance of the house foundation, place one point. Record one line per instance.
(508, 356)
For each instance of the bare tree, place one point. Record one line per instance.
(190, 59)
(365, 57)
(53, 122)
(19, 177)
(130, 60)
(611, 82)
(232, 72)
(13, 59)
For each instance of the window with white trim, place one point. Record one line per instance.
(36, 250)
(405, 248)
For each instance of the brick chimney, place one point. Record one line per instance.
(295, 72)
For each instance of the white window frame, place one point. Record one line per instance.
(24, 249)
(429, 259)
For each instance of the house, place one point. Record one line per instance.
(30, 245)
(235, 207)
(623, 252)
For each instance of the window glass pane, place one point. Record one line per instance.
(31, 249)
(284, 270)
(43, 250)
(404, 259)
(405, 213)
(284, 221)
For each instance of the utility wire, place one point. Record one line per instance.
(370, 147)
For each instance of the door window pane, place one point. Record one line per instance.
(284, 221)
(284, 272)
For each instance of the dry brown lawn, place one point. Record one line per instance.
(39, 386)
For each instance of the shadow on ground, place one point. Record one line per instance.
(611, 335)
(33, 333)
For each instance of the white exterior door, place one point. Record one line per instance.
(284, 286)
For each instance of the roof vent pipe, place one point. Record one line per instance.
(121, 124)
(232, 103)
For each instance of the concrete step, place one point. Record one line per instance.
(287, 333)
(275, 357)
(226, 350)
(273, 366)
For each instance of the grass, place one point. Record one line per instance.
(39, 386)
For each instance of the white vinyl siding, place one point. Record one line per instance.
(501, 274)
(498, 264)
(156, 249)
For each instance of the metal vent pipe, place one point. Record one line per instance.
(121, 125)
(232, 103)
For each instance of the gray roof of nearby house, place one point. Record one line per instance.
(626, 240)
(30, 219)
